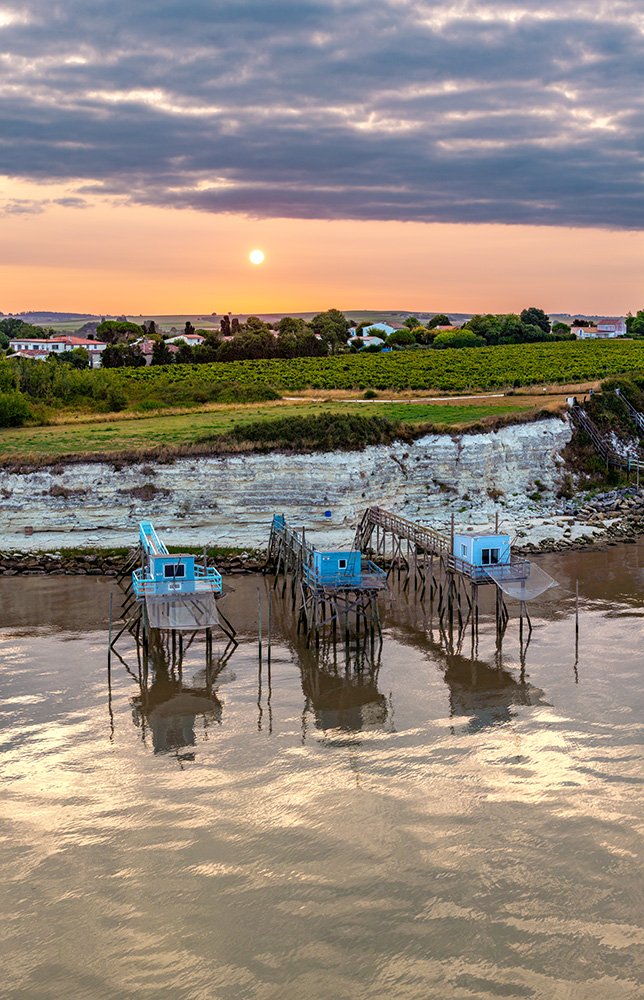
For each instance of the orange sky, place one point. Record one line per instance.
(131, 259)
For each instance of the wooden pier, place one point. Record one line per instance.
(429, 562)
(332, 591)
(173, 594)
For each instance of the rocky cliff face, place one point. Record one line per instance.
(230, 500)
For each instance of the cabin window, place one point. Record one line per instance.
(490, 557)
(463, 550)
(174, 571)
(342, 563)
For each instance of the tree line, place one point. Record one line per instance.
(327, 333)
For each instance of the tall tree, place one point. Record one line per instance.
(114, 331)
(161, 353)
(332, 326)
(533, 316)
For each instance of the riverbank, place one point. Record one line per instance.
(592, 523)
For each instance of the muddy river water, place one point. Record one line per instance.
(436, 825)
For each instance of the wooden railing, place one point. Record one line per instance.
(429, 540)
(635, 414)
(424, 537)
(581, 420)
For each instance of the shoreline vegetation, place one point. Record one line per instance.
(38, 393)
(298, 427)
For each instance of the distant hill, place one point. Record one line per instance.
(53, 317)
(72, 322)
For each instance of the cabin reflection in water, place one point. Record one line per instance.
(169, 710)
(341, 689)
(486, 693)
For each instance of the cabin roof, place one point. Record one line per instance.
(481, 534)
(173, 555)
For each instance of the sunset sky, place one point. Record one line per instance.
(393, 154)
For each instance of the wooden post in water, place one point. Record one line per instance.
(259, 623)
(270, 621)
(576, 619)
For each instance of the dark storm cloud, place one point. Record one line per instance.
(463, 112)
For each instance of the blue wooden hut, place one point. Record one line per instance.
(164, 573)
(482, 550)
(343, 570)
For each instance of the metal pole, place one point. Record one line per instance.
(577, 619)
(259, 623)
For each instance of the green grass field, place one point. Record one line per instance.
(144, 434)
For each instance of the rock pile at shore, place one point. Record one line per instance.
(614, 517)
(99, 564)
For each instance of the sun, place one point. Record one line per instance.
(257, 257)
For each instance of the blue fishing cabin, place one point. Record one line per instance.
(483, 549)
(485, 556)
(346, 569)
(163, 573)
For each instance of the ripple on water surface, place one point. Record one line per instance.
(445, 825)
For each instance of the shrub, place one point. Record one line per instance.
(326, 432)
(458, 338)
(14, 409)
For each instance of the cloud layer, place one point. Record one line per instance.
(508, 111)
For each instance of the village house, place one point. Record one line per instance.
(604, 329)
(378, 329)
(192, 339)
(146, 347)
(361, 341)
(39, 349)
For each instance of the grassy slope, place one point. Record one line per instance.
(146, 433)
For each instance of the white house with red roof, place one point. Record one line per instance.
(604, 329)
(192, 339)
(40, 348)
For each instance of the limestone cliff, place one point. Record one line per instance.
(230, 500)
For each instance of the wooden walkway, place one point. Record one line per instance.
(411, 543)
(604, 449)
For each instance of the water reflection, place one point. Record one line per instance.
(485, 693)
(166, 708)
(340, 688)
(470, 855)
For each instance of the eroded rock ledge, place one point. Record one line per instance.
(227, 502)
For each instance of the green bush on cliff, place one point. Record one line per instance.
(326, 432)
(14, 409)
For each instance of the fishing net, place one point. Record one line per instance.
(184, 612)
(524, 588)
